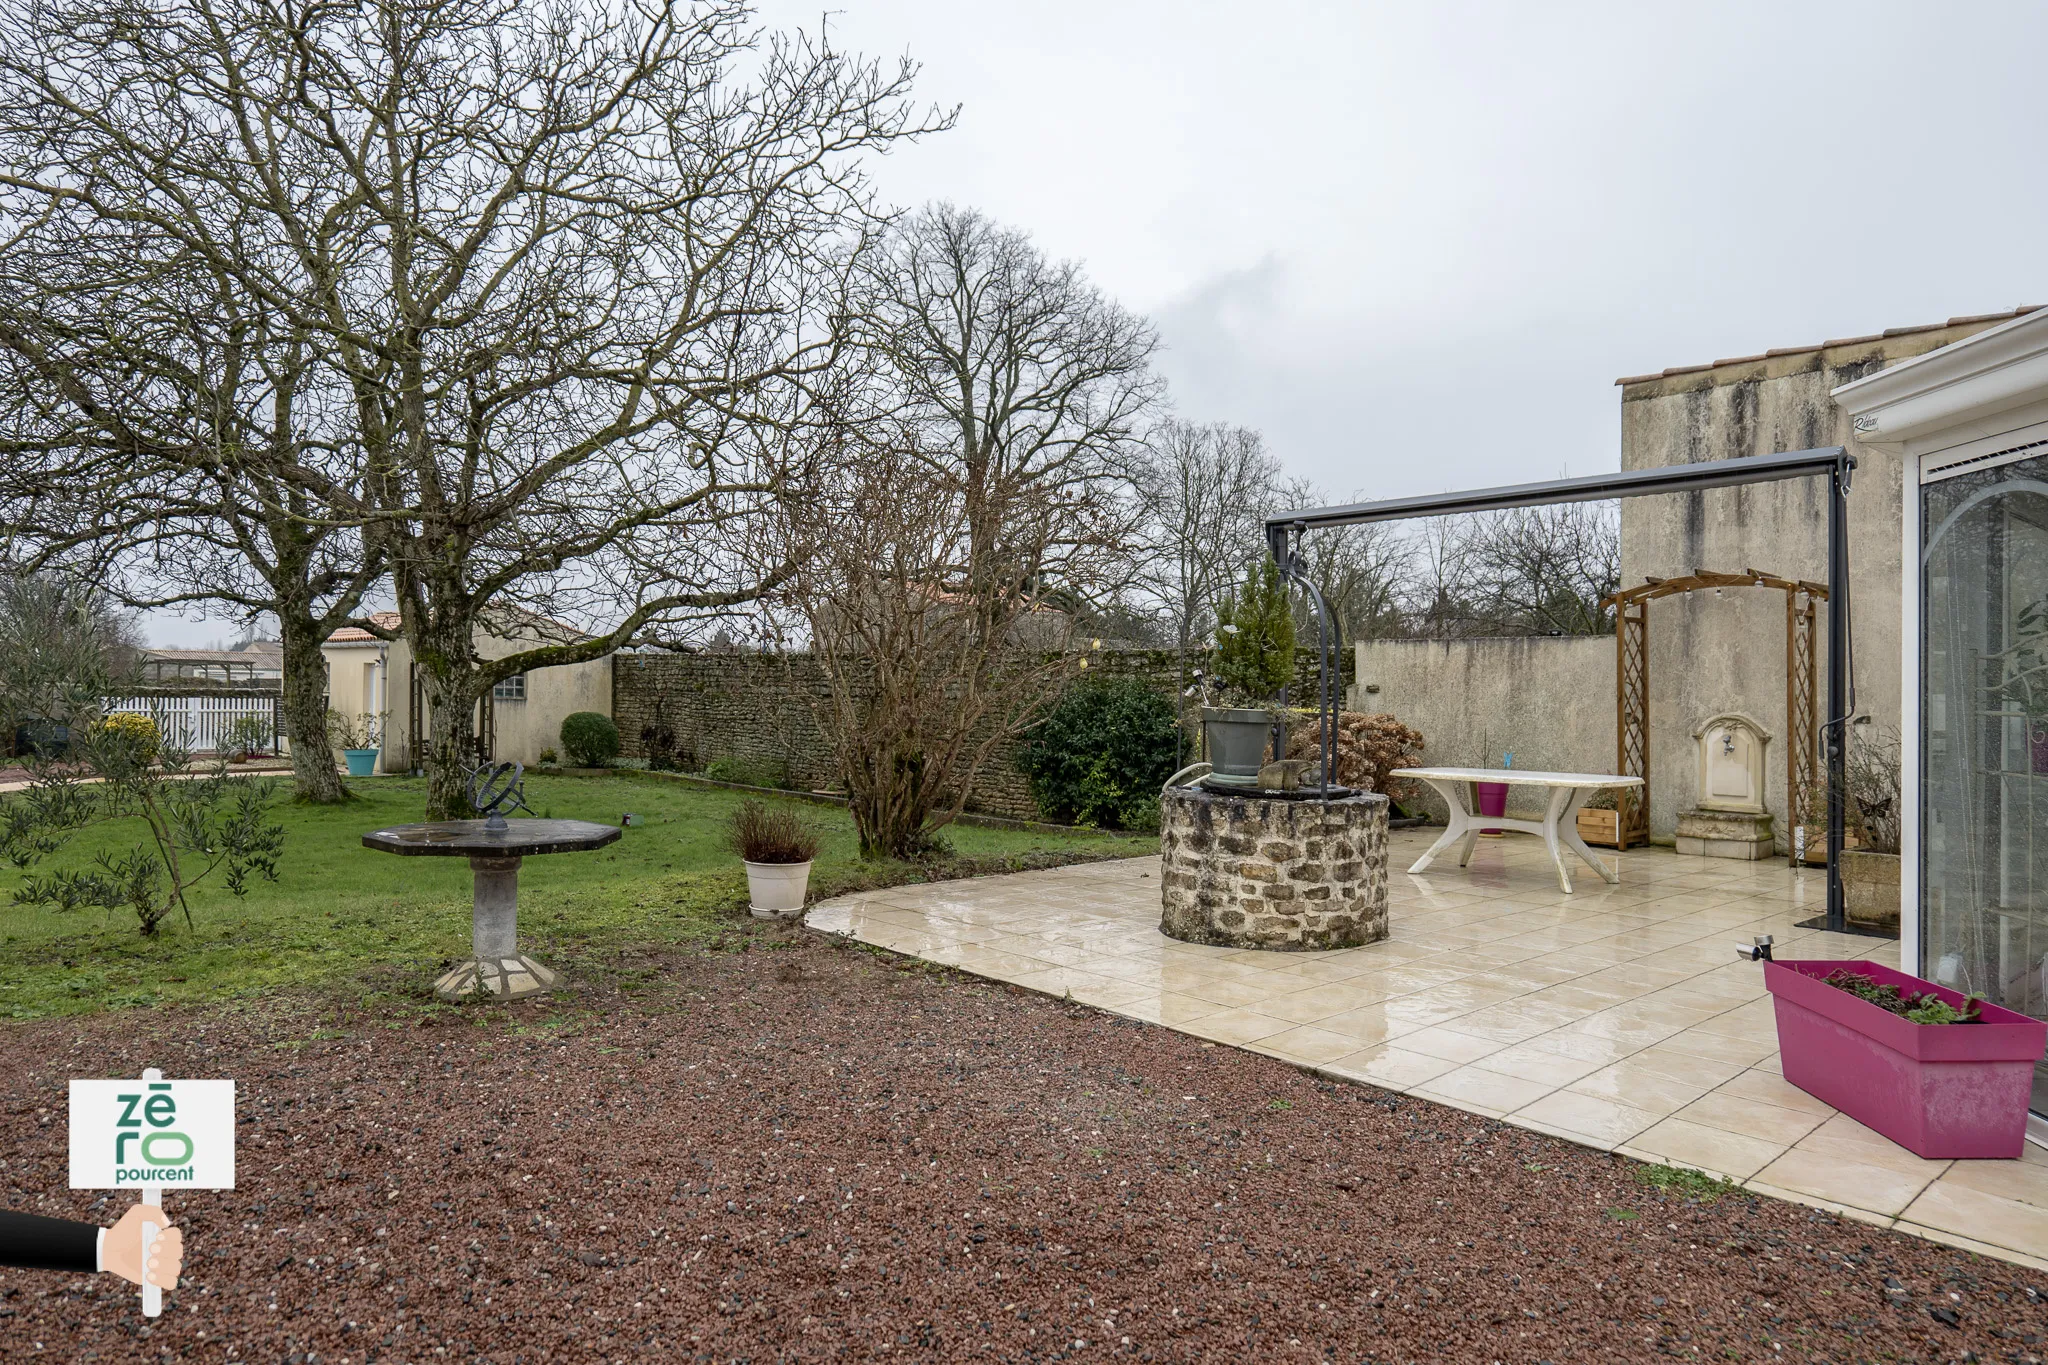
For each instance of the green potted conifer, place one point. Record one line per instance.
(1254, 660)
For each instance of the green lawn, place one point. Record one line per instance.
(341, 917)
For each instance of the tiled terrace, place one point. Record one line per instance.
(1618, 1017)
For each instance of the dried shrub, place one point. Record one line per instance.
(770, 834)
(1369, 748)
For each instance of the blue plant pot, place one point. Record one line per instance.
(361, 762)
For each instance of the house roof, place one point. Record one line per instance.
(256, 652)
(356, 635)
(1969, 320)
(390, 620)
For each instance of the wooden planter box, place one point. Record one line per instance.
(1600, 827)
(1870, 889)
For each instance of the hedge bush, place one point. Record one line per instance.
(1101, 754)
(591, 739)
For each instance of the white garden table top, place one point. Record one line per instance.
(1558, 828)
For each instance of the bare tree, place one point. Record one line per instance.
(975, 508)
(1203, 488)
(1437, 596)
(1361, 571)
(1544, 570)
(545, 261)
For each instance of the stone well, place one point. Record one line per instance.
(1251, 871)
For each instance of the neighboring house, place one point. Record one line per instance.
(1552, 700)
(258, 661)
(522, 715)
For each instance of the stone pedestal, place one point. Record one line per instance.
(1248, 871)
(1726, 834)
(496, 967)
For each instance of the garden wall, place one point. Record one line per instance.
(758, 709)
(1547, 698)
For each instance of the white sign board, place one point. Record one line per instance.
(175, 1135)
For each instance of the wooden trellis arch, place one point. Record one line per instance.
(1632, 689)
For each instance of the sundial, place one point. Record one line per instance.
(495, 847)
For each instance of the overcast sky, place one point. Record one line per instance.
(1416, 243)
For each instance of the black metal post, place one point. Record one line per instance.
(1835, 732)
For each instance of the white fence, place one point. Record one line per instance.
(200, 721)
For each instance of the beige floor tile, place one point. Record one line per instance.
(1947, 1238)
(1585, 1047)
(1750, 1118)
(1235, 994)
(1704, 1072)
(1535, 1064)
(1390, 1067)
(2024, 1180)
(1843, 1137)
(1449, 1044)
(1840, 1180)
(1716, 1047)
(1489, 1091)
(1768, 1087)
(1308, 1044)
(1236, 1026)
(1169, 1008)
(1599, 1122)
(1369, 1024)
(1309, 1005)
(1679, 1142)
(1981, 1216)
(1639, 1088)
(1881, 1220)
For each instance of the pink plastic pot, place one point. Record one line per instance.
(1938, 1090)
(1493, 800)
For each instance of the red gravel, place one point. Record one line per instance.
(806, 1154)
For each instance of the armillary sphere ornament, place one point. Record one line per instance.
(495, 788)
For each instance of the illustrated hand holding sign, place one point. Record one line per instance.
(144, 1135)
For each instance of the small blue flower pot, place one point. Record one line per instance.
(361, 762)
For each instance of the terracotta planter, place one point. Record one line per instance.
(1870, 889)
(776, 890)
(1938, 1090)
(1601, 828)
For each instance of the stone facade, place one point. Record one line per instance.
(1260, 872)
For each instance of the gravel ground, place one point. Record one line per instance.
(803, 1151)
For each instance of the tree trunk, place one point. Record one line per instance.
(890, 807)
(445, 655)
(304, 705)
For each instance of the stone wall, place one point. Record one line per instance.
(1255, 872)
(764, 708)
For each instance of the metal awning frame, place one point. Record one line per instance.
(1834, 463)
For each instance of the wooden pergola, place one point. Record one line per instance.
(1632, 689)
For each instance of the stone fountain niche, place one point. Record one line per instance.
(1728, 819)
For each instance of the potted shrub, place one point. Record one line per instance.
(360, 738)
(1941, 1074)
(1870, 872)
(591, 739)
(1254, 660)
(778, 849)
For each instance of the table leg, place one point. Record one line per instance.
(1568, 834)
(1560, 797)
(1459, 826)
(496, 966)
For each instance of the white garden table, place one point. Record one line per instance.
(1559, 826)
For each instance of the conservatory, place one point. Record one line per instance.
(1971, 421)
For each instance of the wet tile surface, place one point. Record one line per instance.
(1617, 1017)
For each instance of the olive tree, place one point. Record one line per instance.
(538, 262)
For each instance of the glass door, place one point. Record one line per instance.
(1984, 727)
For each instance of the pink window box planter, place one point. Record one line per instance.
(1938, 1090)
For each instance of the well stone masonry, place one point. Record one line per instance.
(1244, 871)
